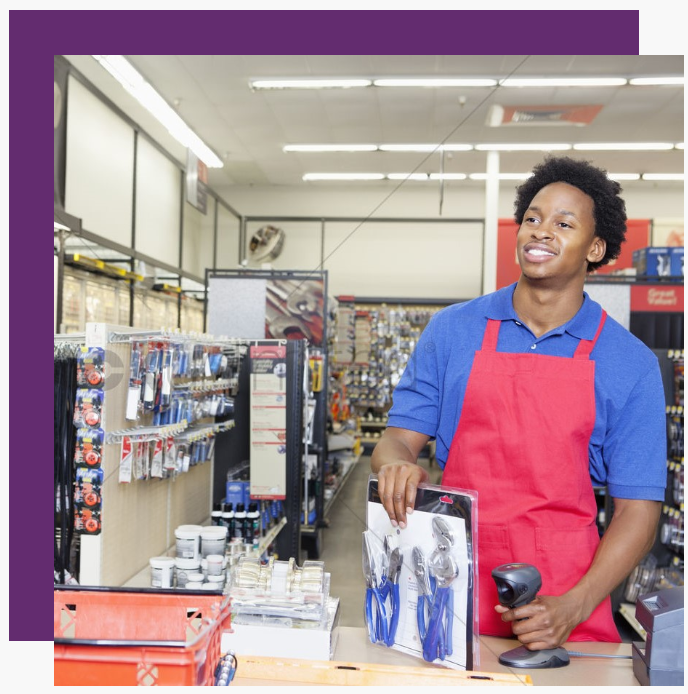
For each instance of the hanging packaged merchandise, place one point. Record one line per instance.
(421, 589)
(89, 447)
(136, 376)
(170, 457)
(87, 500)
(156, 467)
(126, 460)
(150, 381)
(88, 410)
(90, 367)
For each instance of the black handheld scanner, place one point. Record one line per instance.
(517, 584)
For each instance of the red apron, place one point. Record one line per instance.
(522, 443)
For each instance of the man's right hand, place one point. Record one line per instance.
(394, 461)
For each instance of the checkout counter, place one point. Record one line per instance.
(353, 649)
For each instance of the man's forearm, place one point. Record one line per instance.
(626, 541)
(393, 447)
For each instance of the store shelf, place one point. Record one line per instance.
(269, 539)
(342, 482)
(627, 611)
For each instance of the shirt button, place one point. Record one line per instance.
(533, 346)
(517, 323)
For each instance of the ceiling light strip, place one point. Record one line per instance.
(310, 83)
(621, 146)
(143, 92)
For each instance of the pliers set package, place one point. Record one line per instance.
(421, 587)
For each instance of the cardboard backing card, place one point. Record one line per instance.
(458, 509)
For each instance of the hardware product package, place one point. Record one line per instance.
(421, 581)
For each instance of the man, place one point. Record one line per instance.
(534, 394)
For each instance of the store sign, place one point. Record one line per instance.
(268, 421)
(657, 297)
(196, 182)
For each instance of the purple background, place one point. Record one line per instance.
(35, 36)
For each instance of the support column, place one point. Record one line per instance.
(491, 222)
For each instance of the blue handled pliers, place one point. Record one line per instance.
(436, 593)
(382, 606)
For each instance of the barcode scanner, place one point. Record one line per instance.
(517, 585)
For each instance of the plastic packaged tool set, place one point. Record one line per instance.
(421, 592)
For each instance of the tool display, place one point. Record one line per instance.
(382, 604)
(517, 585)
(420, 596)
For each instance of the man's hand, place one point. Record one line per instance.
(547, 621)
(397, 485)
(394, 461)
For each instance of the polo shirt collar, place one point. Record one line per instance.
(583, 325)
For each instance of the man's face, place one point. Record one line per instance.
(557, 237)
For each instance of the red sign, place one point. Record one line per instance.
(657, 297)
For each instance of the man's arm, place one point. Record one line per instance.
(550, 619)
(395, 460)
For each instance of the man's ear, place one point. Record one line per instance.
(597, 250)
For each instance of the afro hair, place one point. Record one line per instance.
(609, 209)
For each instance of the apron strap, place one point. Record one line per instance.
(586, 346)
(490, 335)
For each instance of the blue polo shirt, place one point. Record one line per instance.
(628, 444)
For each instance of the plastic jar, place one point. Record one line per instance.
(213, 540)
(196, 577)
(162, 571)
(185, 567)
(188, 541)
(194, 585)
(218, 580)
(214, 564)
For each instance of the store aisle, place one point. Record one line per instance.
(342, 541)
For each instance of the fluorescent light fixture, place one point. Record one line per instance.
(624, 176)
(407, 176)
(624, 146)
(663, 177)
(565, 82)
(343, 177)
(329, 148)
(447, 177)
(501, 176)
(61, 227)
(309, 83)
(435, 82)
(521, 147)
(123, 71)
(655, 81)
(679, 145)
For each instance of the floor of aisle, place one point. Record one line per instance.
(341, 542)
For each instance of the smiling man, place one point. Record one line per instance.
(534, 395)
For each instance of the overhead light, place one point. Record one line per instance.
(309, 84)
(124, 72)
(407, 176)
(679, 145)
(343, 177)
(624, 176)
(436, 82)
(521, 147)
(447, 176)
(329, 148)
(425, 148)
(624, 145)
(564, 82)
(501, 176)
(61, 227)
(655, 81)
(663, 177)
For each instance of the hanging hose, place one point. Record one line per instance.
(64, 441)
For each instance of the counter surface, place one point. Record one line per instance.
(353, 646)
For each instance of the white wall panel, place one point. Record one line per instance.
(404, 260)
(227, 239)
(197, 253)
(158, 190)
(100, 166)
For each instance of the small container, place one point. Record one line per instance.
(210, 586)
(204, 568)
(194, 585)
(162, 572)
(214, 562)
(213, 540)
(218, 580)
(196, 577)
(188, 541)
(185, 567)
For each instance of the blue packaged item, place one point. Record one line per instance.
(677, 261)
(235, 492)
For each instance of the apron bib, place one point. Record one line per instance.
(522, 443)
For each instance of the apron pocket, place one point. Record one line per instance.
(567, 541)
(493, 536)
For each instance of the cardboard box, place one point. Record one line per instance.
(654, 261)
(274, 638)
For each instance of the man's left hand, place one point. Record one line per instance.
(544, 623)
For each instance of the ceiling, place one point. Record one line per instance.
(248, 129)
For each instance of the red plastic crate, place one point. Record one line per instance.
(109, 636)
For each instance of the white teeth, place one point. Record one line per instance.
(539, 251)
